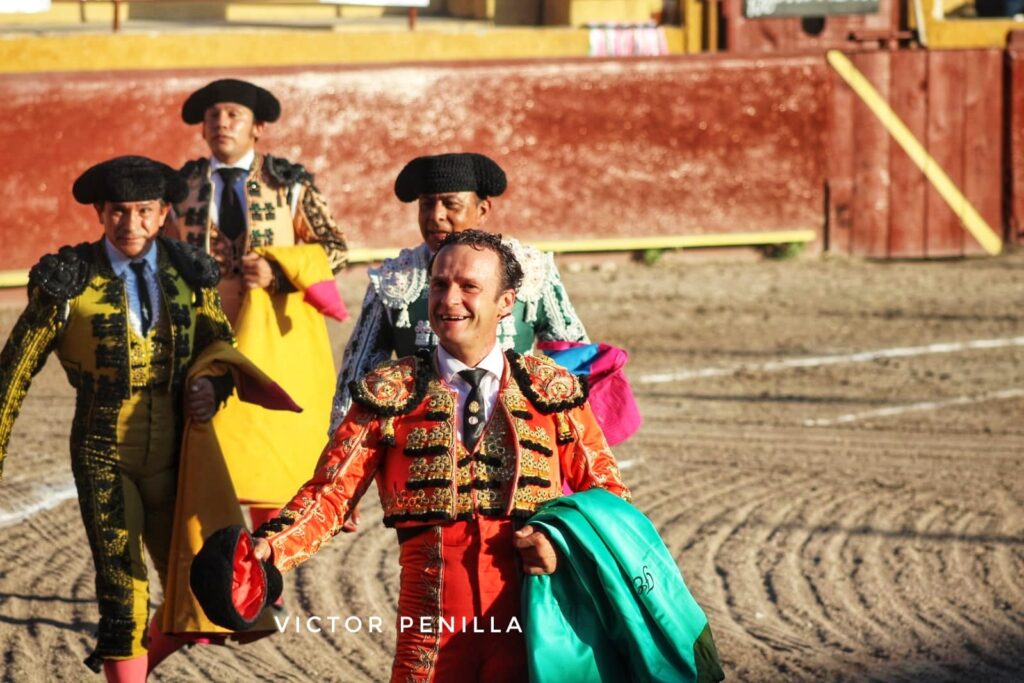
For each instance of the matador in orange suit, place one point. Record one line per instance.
(464, 442)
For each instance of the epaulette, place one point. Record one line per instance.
(286, 173)
(63, 275)
(394, 387)
(193, 167)
(548, 386)
(196, 266)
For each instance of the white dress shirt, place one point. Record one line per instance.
(449, 367)
(121, 265)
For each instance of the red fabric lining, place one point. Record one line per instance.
(248, 583)
(270, 396)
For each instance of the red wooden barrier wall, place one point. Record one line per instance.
(596, 148)
(880, 203)
(593, 148)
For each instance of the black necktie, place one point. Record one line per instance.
(145, 305)
(230, 219)
(473, 415)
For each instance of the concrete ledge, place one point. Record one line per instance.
(217, 48)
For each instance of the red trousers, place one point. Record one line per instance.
(458, 606)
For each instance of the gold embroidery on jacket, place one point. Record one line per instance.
(529, 498)
(389, 387)
(425, 504)
(431, 470)
(431, 440)
(150, 357)
(550, 386)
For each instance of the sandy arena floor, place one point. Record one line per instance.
(844, 497)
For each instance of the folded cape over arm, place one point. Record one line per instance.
(206, 499)
(611, 397)
(617, 608)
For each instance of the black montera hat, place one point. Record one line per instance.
(231, 585)
(264, 105)
(129, 179)
(450, 173)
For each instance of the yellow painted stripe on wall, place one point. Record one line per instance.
(93, 52)
(964, 210)
(19, 278)
(735, 239)
(13, 278)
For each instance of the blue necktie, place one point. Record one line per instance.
(230, 219)
(145, 304)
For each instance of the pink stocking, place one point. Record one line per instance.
(161, 645)
(125, 670)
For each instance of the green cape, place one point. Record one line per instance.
(617, 608)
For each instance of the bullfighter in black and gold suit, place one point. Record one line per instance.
(126, 316)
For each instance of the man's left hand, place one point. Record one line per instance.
(256, 272)
(200, 400)
(536, 551)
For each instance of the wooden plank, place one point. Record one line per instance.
(944, 235)
(984, 140)
(1015, 149)
(871, 145)
(840, 166)
(908, 192)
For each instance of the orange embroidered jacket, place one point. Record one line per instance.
(402, 431)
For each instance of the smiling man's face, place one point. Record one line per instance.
(466, 301)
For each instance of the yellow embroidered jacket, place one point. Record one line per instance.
(283, 208)
(402, 431)
(78, 308)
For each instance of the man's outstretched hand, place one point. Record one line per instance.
(536, 551)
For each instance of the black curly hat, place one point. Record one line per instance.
(263, 104)
(129, 179)
(231, 585)
(466, 172)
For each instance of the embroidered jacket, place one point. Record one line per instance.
(78, 308)
(283, 207)
(394, 315)
(402, 431)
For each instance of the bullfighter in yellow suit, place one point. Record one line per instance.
(127, 316)
(269, 228)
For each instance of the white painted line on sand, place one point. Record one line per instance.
(916, 408)
(52, 496)
(817, 361)
(626, 464)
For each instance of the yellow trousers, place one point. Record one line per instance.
(126, 496)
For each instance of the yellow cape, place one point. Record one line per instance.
(206, 500)
(271, 454)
